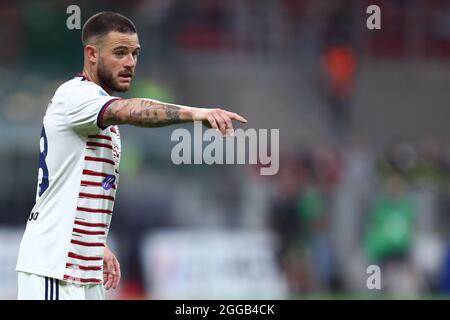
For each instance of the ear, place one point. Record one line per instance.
(91, 53)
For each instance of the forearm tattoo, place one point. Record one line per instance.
(143, 113)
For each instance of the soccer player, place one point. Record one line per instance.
(63, 253)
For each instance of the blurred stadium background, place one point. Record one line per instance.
(364, 140)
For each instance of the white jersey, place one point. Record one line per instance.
(78, 176)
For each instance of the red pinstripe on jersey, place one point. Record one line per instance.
(87, 268)
(92, 210)
(87, 224)
(87, 244)
(85, 258)
(93, 233)
(87, 158)
(95, 173)
(83, 280)
(93, 184)
(99, 136)
(97, 144)
(95, 196)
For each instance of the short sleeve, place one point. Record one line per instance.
(87, 104)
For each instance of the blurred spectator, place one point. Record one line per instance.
(340, 62)
(301, 218)
(389, 236)
(314, 214)
(391, 222)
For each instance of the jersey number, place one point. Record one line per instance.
(42, 164)
(33, 216)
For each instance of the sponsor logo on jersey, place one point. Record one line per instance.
(108, 182)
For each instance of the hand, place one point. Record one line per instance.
(217, 118)
(111, 270)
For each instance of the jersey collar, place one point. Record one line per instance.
(83, 77)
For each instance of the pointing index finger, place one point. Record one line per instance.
(235, 116)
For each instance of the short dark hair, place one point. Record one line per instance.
(102, 23)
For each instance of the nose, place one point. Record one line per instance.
(130, 61)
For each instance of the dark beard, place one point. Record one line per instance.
(106, 79)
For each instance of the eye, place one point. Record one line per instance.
(120, 53)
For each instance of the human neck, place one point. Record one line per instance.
(92, 76)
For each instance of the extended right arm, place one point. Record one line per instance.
(152, 113)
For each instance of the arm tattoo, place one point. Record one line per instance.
(142, 113)
(173, 113)
(112, 113)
